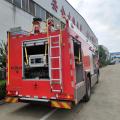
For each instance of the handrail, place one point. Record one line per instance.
(26, 55)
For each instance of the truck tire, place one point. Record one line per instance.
(98, 75)
(88, 90)
(97, 79)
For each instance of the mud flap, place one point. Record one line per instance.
(61, 104)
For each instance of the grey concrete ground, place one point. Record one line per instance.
(104, 103)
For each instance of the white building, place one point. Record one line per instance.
(15, 13)
(115, 57)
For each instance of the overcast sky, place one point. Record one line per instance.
(103, 16)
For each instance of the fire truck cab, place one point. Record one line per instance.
(54, 64)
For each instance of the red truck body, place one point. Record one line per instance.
(59, 79)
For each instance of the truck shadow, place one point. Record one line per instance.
(32, 110)
(93, 90)
(37, 111)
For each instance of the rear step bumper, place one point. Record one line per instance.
(34, 99)
(54, 103)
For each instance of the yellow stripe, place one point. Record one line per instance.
(26, 55)
(8, 99)
(14, 100)
(61, 104)
(55, 104)
(8, 58)
(11, 100)
(66, 106)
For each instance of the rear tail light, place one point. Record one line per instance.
(16, 93)
(12, 93)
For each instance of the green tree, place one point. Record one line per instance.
(3, 49)
(102, 57)
(3, 53)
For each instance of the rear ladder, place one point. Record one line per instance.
(55, 64)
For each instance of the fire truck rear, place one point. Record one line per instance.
(52, 64)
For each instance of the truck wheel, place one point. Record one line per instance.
(97, 79)
(98, 75)
(88, 90)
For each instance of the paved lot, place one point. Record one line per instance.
(104, 103)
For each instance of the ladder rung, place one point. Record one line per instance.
(55, 57)
(55, 79)
(56, 47)
(55, 42)
(56, 90)
(55, 68)
(56, 82)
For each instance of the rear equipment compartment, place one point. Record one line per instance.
(35, 60)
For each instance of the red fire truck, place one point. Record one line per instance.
(54, 64)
